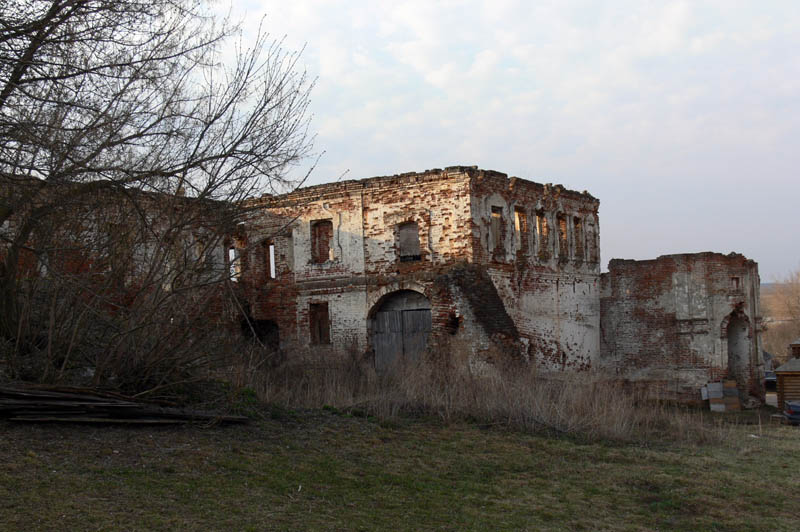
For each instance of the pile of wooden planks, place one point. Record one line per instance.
(78, 405)
(722, 396)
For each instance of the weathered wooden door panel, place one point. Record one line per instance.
(387, 339)
(400, 329)
(416, 328)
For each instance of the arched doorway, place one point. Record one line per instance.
(400, 324)
(739, 348)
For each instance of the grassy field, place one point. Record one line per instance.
(322, 470)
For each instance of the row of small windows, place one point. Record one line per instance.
(408, 248)
(322, 248)
(321, 251)
(583, 241)
(267, 256)
(408, 241)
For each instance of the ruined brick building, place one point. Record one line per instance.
(498, 266)
(680, 321)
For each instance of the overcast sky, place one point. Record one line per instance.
(683, 118)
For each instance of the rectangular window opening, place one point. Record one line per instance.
(543, 235)
(563, 243)
(269, 259)
(497, 236)
(521, 228)
(319, 323)
(234, 263)
(321, 241)
(408, 242)
(736, 283)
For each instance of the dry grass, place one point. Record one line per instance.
(327, 470)
(584, 405)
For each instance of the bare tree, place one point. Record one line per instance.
(782, 305)
(128, 139)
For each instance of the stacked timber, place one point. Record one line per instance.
(723, 396)
(78, 405)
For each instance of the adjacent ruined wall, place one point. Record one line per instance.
(679, 321)
(541, 245)
(510, 269)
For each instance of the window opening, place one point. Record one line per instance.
(497, 237)
(521, 227)
(408, 240)
(321, 241)
(269, 259)
(234, 263)
(319, 323)
(563, 245)
(543, 235)
(735, 283)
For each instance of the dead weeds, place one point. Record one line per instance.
(328, 470)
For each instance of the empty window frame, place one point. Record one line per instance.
(521, 228)
(408, 242)
(234, 263)
(563, 243)
(205, 255)
(321, 241)
(319, 323)
(543, 235)
(496, 228)
(268, 254)
(577, 232)
(736, 283)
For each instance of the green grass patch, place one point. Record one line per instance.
(321, 470)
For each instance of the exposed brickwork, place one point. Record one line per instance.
(508, 266)
(668, 322)
(550, 289)
(544, 309)
(472, 284)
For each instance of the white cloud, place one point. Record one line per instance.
(695, 93)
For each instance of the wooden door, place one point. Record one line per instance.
(387, 339)
(399, 335)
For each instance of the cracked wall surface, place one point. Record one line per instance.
(668, 323)
(508, 268)
(547, 281)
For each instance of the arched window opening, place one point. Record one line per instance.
(738, 336)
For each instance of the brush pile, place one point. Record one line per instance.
(79, 405)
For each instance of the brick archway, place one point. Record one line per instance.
(400, 325)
